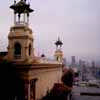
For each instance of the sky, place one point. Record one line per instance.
(76, 22)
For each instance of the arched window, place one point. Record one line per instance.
(17, 49)
(30, 49)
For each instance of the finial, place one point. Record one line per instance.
(14, 1)
(58, 38)
(28, 3)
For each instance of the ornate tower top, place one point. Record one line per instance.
(58, 53)
(58, 43)
(20, 47)
(21, 12)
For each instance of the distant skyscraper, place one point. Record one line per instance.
(73, 63)
(93, 64)
(93, 67)
(64, 61)
(80, 62)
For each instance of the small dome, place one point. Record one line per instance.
(42, 55)
(59, 42)
(21, 7)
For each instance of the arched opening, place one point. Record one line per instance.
(17, 50)
(57, 58)
(30, 47)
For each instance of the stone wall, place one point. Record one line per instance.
(46, 75)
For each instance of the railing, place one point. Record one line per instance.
(21, 23)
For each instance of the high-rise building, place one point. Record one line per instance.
(93, 67)
(80, 62)
(73, 62)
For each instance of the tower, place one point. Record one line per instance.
(58, 53)
(20, 46)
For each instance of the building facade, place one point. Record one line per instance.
(37, 77)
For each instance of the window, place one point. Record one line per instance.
(30, 49)
(17, 50)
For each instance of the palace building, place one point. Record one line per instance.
(38, 74)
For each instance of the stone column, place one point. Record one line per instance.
(25, 55)
(26, 89)
(33, 89)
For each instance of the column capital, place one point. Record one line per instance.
(26, 81)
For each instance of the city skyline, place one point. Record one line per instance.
(76, 22)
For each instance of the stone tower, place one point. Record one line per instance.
(58, 53)
(20, 46)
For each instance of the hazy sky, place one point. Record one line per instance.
(77, 22)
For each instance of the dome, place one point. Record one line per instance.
(59, 42)
(21, 7)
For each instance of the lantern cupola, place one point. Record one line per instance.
(21, 12)
(58, 43)
(59, 53)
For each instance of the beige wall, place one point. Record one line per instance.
(46, 76)
(24, 36)
(46, 79)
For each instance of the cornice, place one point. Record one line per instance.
(37, 66)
